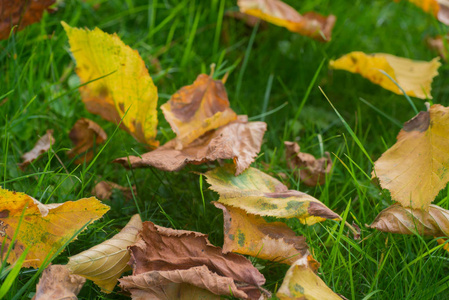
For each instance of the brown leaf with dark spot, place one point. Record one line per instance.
(103, 190)
(239, 141)
(58, 283)
(312, 171)
(21, 13)
(164, 249)
(84, 135)
(404, 220)
(251, 235)
(41, 146)
(198, 108)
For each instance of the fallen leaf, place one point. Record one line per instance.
(239, 141)
(84, 135)
(312, 171)
(42, 145)
(57, 283)
(444, 241)
(279, 13)
(251, 235)
(191, 284)
(103, 190)
(105, 262)
(301, 282)
(198, 108)
(404, 220)
(260, 194)
(21, 13)
(45, 227)
(121, 87)
(249, 20)
(165, 249)
(414, 169)
(414, 77)
(437, 43)
(438, 8)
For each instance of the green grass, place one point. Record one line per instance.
(271, 78)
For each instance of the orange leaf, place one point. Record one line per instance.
(239, 141)
(198, 108)
(277, 12)
(251, 235)
(21, 13)
(414, 169)
(44, 228)
(41, 146)
(84, 135)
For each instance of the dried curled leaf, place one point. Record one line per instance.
(403, 220)
(121, 87)
(312, 171)
(42, 145)
(414, 169)
(260, 194)
(415, 77)
(84, 135)
(103, 190)
(198, 108)
(301, 282)
(438, 8)
(239, 141)
(105, 262)
(21, 13)
(251, 235)
(58, 284)
(165, 249)
(279, 13)
(191, 284)
(45, 228)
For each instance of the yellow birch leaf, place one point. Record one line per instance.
(415, 77)
(279, 13)
(44, 228)
(415, 169)
(195, 109)
(301, 282)
(260, 194)
(251, 235)
(105, 262)
(126, 90)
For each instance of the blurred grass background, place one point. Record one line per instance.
(271, 70)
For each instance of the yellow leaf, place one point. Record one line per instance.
(198, 108)
(105, 263)
(279, 13)
(44, 228)
(260, 194)
(127, 90)
(251, 235)
(301, 282)
(415, 77)
(415, 169)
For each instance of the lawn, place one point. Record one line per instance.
(274, 76)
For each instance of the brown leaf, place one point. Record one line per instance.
(84, 135)
(41, 146)
(198, 108)
(251, 235)
(279, 13)
(437, 43)
(239, 141)
(57, 283)
(194, 283)
(165, 249)
(21, 13)
(104, 263)
(249, 20)
(302, 283)
(404, 220)
(312, 171)
(103, 190)
(414, 169)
